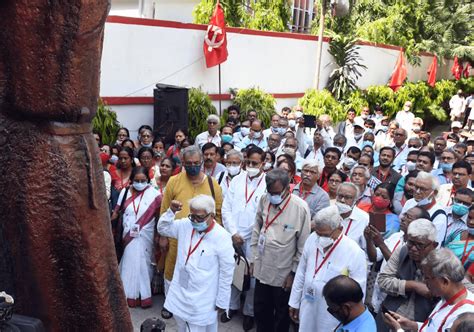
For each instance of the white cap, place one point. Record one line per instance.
(456, 124)
(359, 122)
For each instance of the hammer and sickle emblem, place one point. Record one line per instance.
(213, 43)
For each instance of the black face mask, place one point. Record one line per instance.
(407, 195)
(339, 314)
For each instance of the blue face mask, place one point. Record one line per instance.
(113, 159)
(470, 230)
(139, 186)
(446, 167)
(199, 226)
(367, 143)
(146, 145)
(275, 199)
(193, 170)
(281, 131)
(460, 209)
(226, 138)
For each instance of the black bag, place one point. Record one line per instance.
(117, 229)
(239, 257)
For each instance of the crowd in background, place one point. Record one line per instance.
(362, 225)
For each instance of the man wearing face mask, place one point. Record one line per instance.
(359, 130)
(204, 267)
(354, 220)
(282, 225)
(401, 149)
(416, 127)
(274, 126)
(233, 163)
(444, 172)
(212, 135)
(439, 145)
(324, 257)
(410, 166)
(405, 117)
(426, 189)
(458, 213)
(340, 142)
(238, 216)
(461, 173)
(344, 297)
(255, 136)
(182, 187)
(290, 147)
(242, 133)
(273, 143)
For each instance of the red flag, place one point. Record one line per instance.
(432, 72)
(400, 73)
(467, 70)
(215, 41)
(456, 69)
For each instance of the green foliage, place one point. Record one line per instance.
(466, 84)
(418, 93)
(199, 108)
(255, 99)
(318, 102)
(356, 100)
(273, 15)
(383, 96)
(105, 123)
(342, 80)
(443, 90)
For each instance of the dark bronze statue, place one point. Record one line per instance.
(56, 250)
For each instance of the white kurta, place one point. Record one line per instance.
(314, 316)
(439, 316)
(238, 216)
(210, 269)
(354, 226)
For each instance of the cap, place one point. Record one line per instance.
(359, 122)
(456, 124)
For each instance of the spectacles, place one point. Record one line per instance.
(252, 163)
(458, 201)
(341, 197)
(196, 218)
(232, 164)
(186, 164)
(211, 122)
(309, 171)
(418, 245)
(421, 189)
(413, 146)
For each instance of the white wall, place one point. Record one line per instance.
(136, 57)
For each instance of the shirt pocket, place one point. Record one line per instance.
(206, 262)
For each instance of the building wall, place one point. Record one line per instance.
(138, 53)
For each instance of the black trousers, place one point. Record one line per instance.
(271, 308)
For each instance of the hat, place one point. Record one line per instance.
(456, 124)
(359, 122)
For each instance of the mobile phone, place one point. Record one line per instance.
(385, 310)
(378, 220)
(309, 121)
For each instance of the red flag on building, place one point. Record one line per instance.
(432, 72)
(456, 69)
(215, 41)
(467, 70)
(400, 73)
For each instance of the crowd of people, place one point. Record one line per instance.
(364, 225)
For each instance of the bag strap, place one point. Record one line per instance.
(308, 151)
(124, 198)
(211, 186)
(221, 177)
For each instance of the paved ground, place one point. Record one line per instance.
(139, 315)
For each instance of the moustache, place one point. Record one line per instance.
(208, 161)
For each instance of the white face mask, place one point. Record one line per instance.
(253, 171)
(343, 207)
(292, 123)
(411, 166)
(450, 144)
(257, 134)
(267, 166)
(244, 131)
(233, 170)
(325, 242)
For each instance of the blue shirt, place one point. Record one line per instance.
(363, 323)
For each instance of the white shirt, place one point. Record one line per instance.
(401, 155)
(314, 316)
(457, 105)
(205, 137)
(317, 156)
(437, 317)
(225, 181)
(210, 270)
(355, 224)
(440, 222)
(237, 215)
(405, 120)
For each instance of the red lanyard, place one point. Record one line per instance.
(381, 177)
(396, 245)
(448, 302)
(191, 251)
(161, 188)
(317, 268)
(213, 170)
(247, 200)
(303, 195)
(269, 223)
(133, 202)
(456, 307)
(348, 227)
(465, 257)
(450, 199)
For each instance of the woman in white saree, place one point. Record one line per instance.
(141, 206)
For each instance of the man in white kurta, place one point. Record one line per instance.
(238, 214)
(319, 263)
(203, 272)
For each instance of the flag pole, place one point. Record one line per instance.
(220, 96)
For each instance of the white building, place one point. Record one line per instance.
(170, 10)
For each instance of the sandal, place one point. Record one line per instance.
(166, 314)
